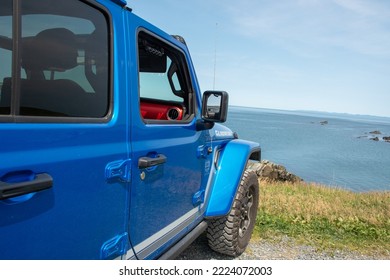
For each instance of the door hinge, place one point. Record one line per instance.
(198, 198)
(115, 247)
(120, 169)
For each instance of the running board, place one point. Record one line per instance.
(187, 240)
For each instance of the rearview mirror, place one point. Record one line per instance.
(215, 106)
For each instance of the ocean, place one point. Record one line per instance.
(332, 149)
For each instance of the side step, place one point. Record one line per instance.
(187, 240)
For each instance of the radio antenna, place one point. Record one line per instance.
(215, 53)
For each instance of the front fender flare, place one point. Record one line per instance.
(232, 163)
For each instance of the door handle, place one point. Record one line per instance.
(41, 182)
(145, 162)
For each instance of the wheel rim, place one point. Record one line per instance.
(246, 210)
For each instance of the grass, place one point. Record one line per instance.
(326, 218)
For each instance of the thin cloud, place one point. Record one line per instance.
(364, 8)
(358, 26)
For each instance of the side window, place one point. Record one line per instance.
(165, 88)
(5, 50)
(64, 54)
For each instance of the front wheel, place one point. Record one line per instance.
(230, 235)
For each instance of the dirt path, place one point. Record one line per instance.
(266, 250)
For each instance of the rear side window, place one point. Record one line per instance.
(5, 48)
(61, 66)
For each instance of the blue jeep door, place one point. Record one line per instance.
(63, 148)
(168, 170)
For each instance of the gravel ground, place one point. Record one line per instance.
(266, 250)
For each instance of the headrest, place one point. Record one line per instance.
(51, 49)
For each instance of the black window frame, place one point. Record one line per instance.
(14, 116)
(185, 71)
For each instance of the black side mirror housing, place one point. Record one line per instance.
(215, 106)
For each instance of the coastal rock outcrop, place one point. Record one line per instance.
(375, 136)
(375, 132)
(270, 171)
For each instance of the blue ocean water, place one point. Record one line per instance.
(339, 153)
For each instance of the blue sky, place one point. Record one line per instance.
(322, 55)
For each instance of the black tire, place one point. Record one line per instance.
(230, 235)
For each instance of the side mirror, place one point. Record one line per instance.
(215, 106)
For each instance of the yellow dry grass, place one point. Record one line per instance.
(311, 200)
(325, 216)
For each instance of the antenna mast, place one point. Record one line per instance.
(215, 53)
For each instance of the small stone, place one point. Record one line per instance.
(266, 171)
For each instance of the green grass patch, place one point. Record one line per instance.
(324, 217)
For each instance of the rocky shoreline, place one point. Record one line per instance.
(270, 171)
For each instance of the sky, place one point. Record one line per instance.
(320, 55)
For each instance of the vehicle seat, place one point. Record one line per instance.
(54, 50)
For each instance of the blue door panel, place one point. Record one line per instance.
(162, 209)
(82, 210)
(165, 194)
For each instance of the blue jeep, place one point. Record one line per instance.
(108, 149)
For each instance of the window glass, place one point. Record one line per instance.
(156, 86)
(165, 93)
(5, 51)
(64, 60)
